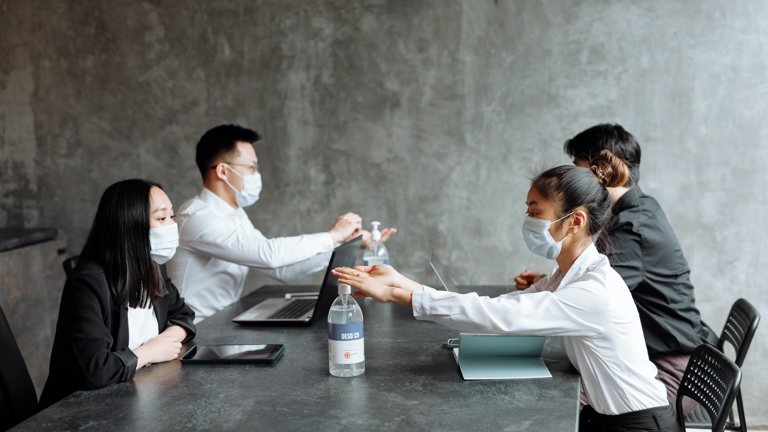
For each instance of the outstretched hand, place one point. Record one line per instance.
(364, 282)
(384, 273)
(380, 282)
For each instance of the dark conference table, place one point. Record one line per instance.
(410, 383)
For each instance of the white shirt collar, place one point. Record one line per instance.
(216, 202)
(587, 259)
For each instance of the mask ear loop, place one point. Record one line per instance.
(568, 233)
(575, 230)
(226, 165)
(221, 175)
(234, 189)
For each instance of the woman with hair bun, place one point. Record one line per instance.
(583, 299)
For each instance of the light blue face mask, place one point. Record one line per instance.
(251, 188)
(538, 239)
(163, 241)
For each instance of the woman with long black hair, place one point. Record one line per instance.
(119, 311)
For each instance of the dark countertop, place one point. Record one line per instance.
(14, 238)
(410, 383)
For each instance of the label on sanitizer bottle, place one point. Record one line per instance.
(346, 343)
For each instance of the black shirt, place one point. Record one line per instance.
(647, 254)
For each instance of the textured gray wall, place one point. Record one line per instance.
(428, 115)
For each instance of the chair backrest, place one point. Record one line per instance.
(69, 264)
(739, 328)
(18, 399)
(712, 380)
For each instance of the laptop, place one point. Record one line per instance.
(303, 310)
(442, 273)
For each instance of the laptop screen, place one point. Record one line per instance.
(343, 256)
(442, 273)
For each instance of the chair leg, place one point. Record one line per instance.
(740, 408)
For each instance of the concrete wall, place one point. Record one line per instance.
(428, 115)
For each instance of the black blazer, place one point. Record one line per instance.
(90, 349)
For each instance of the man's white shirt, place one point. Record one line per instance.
(217, 246)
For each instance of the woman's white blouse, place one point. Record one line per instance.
(591, 305)
(142, 326)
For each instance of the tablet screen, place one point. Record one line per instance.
(265, 353)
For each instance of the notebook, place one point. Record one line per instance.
(303, 310)
(500, 357)
(442, 273)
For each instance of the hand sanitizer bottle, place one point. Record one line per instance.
(378, 254)
(346, 340)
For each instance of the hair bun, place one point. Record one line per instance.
(599, 173)
(610, 170)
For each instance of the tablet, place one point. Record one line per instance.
(217, 354)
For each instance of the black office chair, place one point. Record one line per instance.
(18, 399)
(69, 264)
(738, 331)
(712, 380)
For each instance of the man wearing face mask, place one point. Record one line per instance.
(218, 243)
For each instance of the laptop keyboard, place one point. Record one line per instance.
(295, 309)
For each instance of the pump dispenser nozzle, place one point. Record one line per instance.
(375, 233)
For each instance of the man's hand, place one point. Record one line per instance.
(346, 227)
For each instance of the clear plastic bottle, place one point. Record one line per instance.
(346, 339)
(378, 254)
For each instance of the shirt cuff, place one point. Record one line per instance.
(334, 244)
(417, 301)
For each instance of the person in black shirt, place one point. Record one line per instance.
(644, 250)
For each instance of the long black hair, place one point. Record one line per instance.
(119, 242)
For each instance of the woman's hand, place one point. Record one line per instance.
(386, 274)
(380, 282)
(527, 278)
(162, 348)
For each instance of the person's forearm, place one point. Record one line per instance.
(178, 332)
(407, 284)
(402, 296)
(142, 355)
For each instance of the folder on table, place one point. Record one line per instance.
(500, 357)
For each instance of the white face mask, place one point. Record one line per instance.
(539, 240)
(251, 188)
(163, 241)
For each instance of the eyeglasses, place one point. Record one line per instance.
(250, 169)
